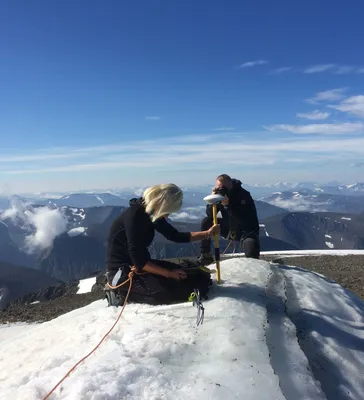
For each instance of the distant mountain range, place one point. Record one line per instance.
(306, 230)
(78, 235)
(17, 281)
(354, 189)
(316, 200)
(193, 196)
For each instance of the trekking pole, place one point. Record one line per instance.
(214, 199)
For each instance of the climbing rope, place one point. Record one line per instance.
(227, 247)
(130, 279)
(195, 297)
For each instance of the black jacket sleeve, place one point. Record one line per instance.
(138, 253)
(171, 233)
(219, 207)
(253, 214)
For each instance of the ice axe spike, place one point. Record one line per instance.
(214, 199)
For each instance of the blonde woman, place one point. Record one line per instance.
(132, 233)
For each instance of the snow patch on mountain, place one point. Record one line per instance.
(76, 231)
(265, 229)
(100, 199)
(85, 285)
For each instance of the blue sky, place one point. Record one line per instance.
(112, 94)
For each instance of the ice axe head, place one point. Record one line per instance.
(214, 198)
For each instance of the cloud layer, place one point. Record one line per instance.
(42, 223)
(323, 129)
(314, 115)
(318, 68)
(353, 105)
(250, 64)
(280, 146)
(328, 95)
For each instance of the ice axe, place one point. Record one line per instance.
(214, 199)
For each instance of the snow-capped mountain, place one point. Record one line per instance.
(86, 200)
(259, 191)
(353, 188)
(316, 200)
(306, 230)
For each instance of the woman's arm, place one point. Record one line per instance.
(171, 233)
(196, 236)
(170, 274)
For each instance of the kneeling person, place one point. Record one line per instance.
(154, 281)
(239, 220)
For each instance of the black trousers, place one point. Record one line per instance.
(156, 290)
(250, 242)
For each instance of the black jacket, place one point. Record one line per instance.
(131, 234)
(241, 213)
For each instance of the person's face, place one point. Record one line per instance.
(220, 184)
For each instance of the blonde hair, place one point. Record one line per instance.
(160, 200)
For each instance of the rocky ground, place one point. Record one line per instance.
(348, 271)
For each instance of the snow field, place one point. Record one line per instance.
(270, 332)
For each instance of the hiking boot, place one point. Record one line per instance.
(113, 298)
(205, 259)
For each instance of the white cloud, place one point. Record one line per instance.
(318, 68)
(353, 105)
(190, 214)
(250, 64)
(189, 156)
(300, 203)
(223, 128)
(328, 95)
(344, 69)
(323, 129)
(360, 71)
(42, 223)
(48, 224)
(153, 118)
(314, 115)
(281, 70)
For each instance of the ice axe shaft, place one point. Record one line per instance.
(217, 248)
(213, 199)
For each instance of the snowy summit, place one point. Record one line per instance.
(270, 332)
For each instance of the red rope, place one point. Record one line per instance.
(96, 347)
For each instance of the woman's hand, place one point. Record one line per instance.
(177, 274)
(214, 230)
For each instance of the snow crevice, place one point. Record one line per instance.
(286, 357)
(314, 331)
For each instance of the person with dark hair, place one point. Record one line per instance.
(238, 221)
(132, 232)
